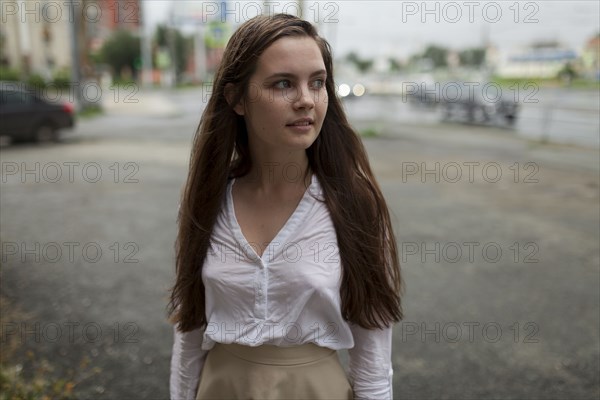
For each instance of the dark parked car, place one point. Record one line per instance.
(479, 104)
(25, 116)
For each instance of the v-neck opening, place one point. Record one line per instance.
(289, 225)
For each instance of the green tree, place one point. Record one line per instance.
(474, 57)
(437, 55)
(394, 64)
(178, 45)
(567, 73)
(120, 51)
(363, 65)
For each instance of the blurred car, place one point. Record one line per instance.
(425, 95)
(473, 103)
(26, 117)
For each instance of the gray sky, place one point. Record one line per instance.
(401, 28)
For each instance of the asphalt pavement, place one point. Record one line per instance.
(498, 237)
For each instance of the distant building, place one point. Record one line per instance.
(542, 60)
(36, 37)
(115, 15)
(590, 58)
(492, 57)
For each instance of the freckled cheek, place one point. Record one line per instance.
(322, 98)
(322, 106)
(272, 116)
(269, 110)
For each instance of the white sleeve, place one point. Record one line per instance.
(187, 361)
(370, 363)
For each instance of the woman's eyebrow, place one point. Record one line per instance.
(290, 75)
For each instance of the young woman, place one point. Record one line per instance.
(285, 250)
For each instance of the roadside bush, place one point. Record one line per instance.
(9, 74)
(36, 81)
(62, 79)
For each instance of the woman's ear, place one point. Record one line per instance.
(230, 92)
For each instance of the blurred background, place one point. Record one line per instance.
(481, 120)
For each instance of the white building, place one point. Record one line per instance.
(35, 37)
(541, 61)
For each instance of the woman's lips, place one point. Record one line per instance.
(302, 121)
(304, 127)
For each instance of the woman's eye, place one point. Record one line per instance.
(285, 84)
(319, 83)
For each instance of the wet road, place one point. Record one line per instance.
(498, 239)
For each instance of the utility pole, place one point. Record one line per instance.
(75, 69)
(200, 54)
(146, 44)
(171, 27)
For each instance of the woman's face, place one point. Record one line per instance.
(286, 100)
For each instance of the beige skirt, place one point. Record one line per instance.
(233, 371)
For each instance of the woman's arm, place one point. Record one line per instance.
(370, 363)
(187, 361)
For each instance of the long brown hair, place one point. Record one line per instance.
(371, 284)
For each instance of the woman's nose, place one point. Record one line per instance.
(304, 99)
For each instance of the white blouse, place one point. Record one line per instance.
(287, 297)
